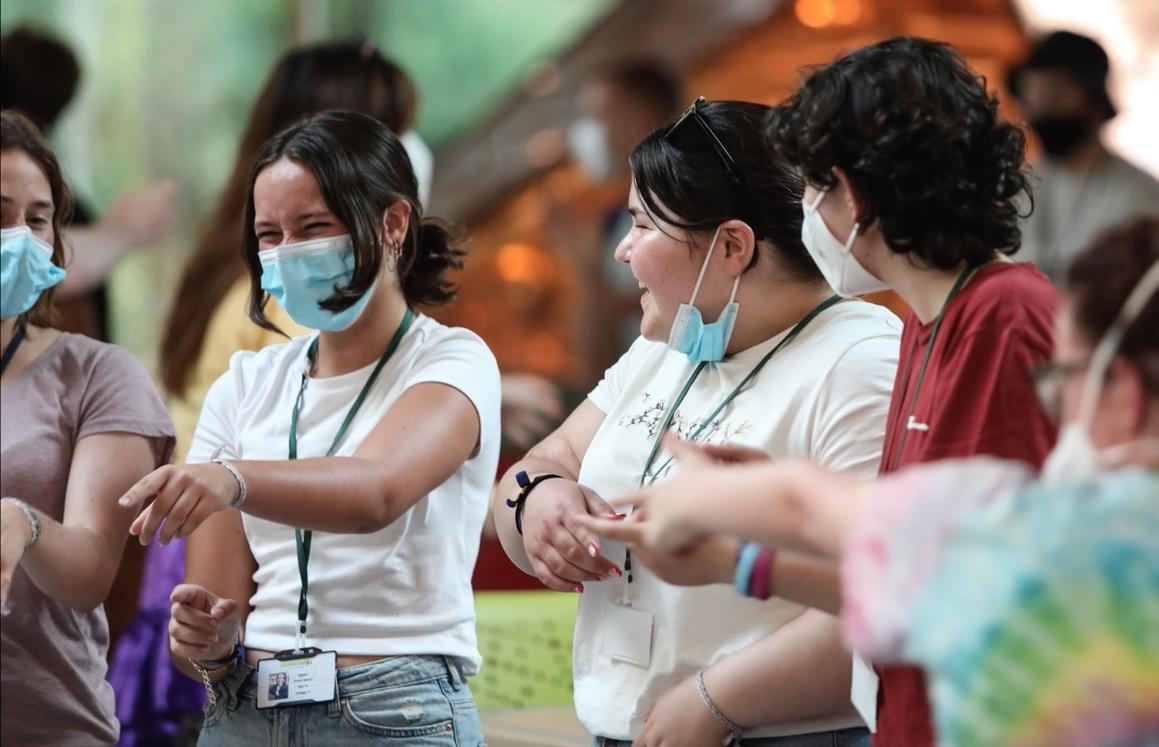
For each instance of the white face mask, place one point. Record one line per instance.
(422, 161)
(587, 141)
(1075, 456)
(842, 271)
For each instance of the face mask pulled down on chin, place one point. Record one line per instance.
(700, 342)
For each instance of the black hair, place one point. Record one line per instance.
(38, 75)
(349, 74)
(919, 138)
(362, 169)
(682, 179)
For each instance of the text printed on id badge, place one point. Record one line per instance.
(628, 634)
(296, 677)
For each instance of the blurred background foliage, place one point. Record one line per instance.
(167, 85)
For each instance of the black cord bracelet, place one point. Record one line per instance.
(526, 485)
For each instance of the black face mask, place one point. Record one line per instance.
(1060, 135)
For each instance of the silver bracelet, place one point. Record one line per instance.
(241, 491)
(734, 732)
(30, 515)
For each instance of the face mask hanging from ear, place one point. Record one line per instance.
(690, 335)
(845, 275)
(1075, 456)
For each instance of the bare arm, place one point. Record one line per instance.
(788, 505)
(799, 672)
(561, 453)
(134, 220)
(421, 441)
(76, 559)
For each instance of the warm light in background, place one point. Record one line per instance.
(820, 13)
(523, 263)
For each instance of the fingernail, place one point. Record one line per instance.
(579, 589)
(618, 572)
(592, 549)
(124, 500)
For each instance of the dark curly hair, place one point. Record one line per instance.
(919, 138)
(683, 181)
(362, 169)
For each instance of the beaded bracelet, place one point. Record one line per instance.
(745, 560)
(761, 584)
(33, 520)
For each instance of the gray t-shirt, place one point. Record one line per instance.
(1072, 207)
(52, 657)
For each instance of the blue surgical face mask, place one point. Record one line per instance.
(690, 335)
(26, 270)
(301, 276)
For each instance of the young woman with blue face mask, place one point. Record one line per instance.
(81, 423)
(1028, 600)
(339, 480)
(741, 344)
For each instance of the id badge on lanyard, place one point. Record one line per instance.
(306, 674)
(628, 629)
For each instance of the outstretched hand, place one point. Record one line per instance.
(182, 497)
(664, 518)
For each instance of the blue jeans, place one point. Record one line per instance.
(841, 738)
(405, 700)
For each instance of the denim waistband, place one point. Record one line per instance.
(395, 671)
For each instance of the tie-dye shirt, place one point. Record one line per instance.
(1032, 606)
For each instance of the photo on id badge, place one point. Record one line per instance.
(296, 677)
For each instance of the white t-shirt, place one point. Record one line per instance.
(824, 396)
(1072, 207)
(405, 589)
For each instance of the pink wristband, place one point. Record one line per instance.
(762, 576)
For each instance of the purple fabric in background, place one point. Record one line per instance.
(155, 702)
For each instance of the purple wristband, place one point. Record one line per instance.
(762, 577)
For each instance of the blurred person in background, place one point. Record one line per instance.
(1081, 187)
(1028, 600)
(208, 323)
(618, 106)
(913, 184)
(741, 343)
(39, 76)
(81, 424)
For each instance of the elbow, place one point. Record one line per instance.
(87, 600)
(383, 509)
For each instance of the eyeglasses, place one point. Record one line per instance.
(692, 113)
(1048, 383)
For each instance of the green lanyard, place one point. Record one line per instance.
(704, 425)
(302, 538)
(963, 277)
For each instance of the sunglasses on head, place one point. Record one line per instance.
(692, 114)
